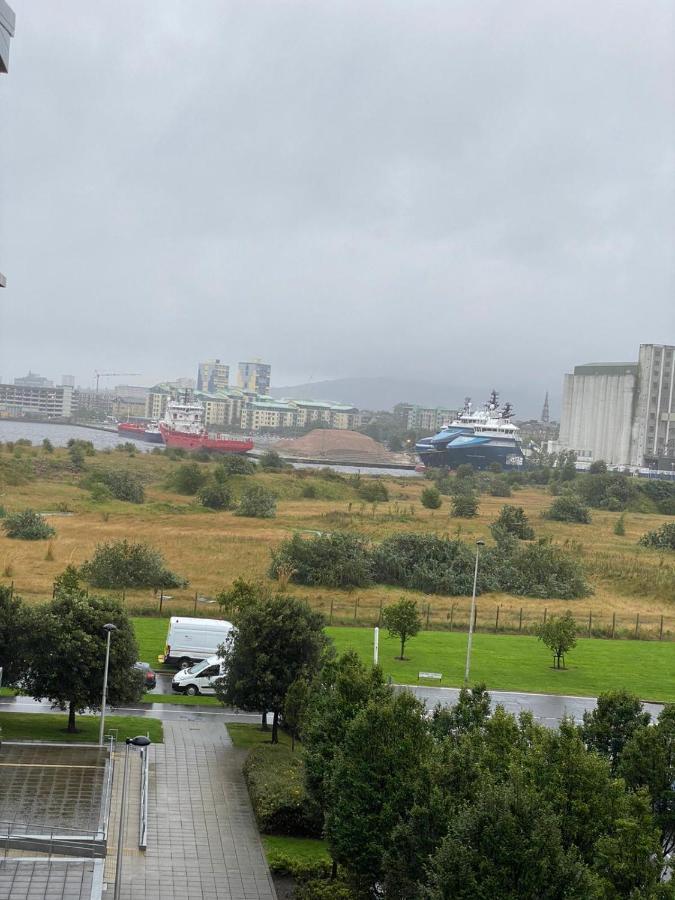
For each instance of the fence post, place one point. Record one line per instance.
(661, 629)
(497, 619)
(356, 606)
(124, 597)
(637, 625)
(590, 621)
(161, 600)
(428, 614)
(452, 614)
(520, 620)
(379, 618)
(545, 612)
(613, 624)
(330, 617)
(195, 603)
(11, 590)
(475, 617)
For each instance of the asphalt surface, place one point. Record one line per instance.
(548, 709)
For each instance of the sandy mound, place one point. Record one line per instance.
(336, 445)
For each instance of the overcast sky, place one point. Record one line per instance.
(461, 192)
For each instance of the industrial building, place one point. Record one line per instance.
(46, 402)
(622, 413)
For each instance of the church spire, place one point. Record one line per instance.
(545, 418)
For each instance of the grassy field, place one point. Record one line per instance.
(509, 662)
(247, 736)
(211, 548)
(52, 727)
(305, 852)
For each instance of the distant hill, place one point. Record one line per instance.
(385, 392)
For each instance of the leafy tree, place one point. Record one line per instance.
(663, 539)
(242, 594)
(257, 503)
(620, 525)
(27, 525)
(373, 783)
(559, 634)
(295, 705)
(67, 654)
(373, 491)
(472, 710)
(431, 497)
(402, 620)
(76, 454)
(338, 559)
(598, 467)
(513, 520)
(608, 727)
(271, 461)
(566, 465)
(127, 564)
(68, 582)
(465, 506)
(568, 508)
(15, 629)
(275, 641)
(47, 446)
(215, 495)
(188, 478)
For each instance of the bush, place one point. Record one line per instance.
(27, 525)
(215, 495)
(257, 503)
(663, 539)
(431, 497)
(304, 864)
(543, 570)
(620, 525)
(500, 487)
(121, 485)
(332, 560)
(568, 508)
(271, 461)
(276, 783)
(123, 564)
(513, 520)
(309, 491)
(188, 478)
(100, 492)
(373, 491)
(325, 889)
(234, 464)
(465, 505)
(464, 471)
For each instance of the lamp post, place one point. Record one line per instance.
(139, 741)
(109, 628)
(479, 544)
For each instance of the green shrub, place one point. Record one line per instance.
(257, 503)
(373, 491)
(464, 471)
(543, 570)
(14, 472)
(500, 487)
(188, 478)
(299, 858)
(234, 464)
(271, 461)
(100, 492)
(513, 520)
(568, 508)
(663, 539)
(127, 447)
(121, 485)
(431, 497)
(123, 564)
(27, 525)
(620, 525)
(465, 505)
(332, 560)
(276, 783)
(215, 495)
(309, 491)
(325, 889)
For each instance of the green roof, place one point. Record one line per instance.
(613, 368)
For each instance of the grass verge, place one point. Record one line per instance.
(246, 736)
(296, 856)
(522, 663)
(52, 727)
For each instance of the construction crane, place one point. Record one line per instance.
(114, 375)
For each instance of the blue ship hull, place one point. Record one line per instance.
(457, 447)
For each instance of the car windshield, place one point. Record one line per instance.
(197, 668)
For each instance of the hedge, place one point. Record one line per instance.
(275, 776)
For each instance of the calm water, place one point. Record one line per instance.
(59, 435)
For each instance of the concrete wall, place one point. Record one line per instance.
(597, 415)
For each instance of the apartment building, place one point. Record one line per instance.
(423, 418)
(268, 415)
(29, 400)
(254, 376)
(213, 376)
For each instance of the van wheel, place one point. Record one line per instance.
(192, 690)
(185, 663)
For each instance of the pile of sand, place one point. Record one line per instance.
(335, 445)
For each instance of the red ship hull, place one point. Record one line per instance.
(131, 428)
(204, 442)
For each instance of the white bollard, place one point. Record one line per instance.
(376, 646)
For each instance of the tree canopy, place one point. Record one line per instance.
(402, 620)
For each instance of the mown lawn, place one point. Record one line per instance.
(301, 852)
(151, 637)
(247, 736)
(522, 663)
(52, 727)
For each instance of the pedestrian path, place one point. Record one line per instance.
(203, 843)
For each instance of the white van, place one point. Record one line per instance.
(191, 640)
(200, 678)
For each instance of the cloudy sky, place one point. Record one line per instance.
(460, 192)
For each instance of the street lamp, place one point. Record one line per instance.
(109, 628)
(139, 741)
(479, 544)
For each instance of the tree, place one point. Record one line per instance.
(431, 497)
(568, 508)
(47, 446)
(76, 454)
(188, 478)
(124, 563)
(402, 620)
(295, 705)
(241, 595)
(257, 503)
(465, 505)
(513, 520)
(559, 634)
(15, 629)
(608, 727)
(472, 710)
(276, 639)
(27, 525)
(67, 654)
(598, 467)
(620, 525)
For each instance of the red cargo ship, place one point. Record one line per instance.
(183, 426)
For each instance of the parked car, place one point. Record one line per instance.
(200, 678)
(149, 677)
(190, 640)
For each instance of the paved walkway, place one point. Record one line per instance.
(203, 843)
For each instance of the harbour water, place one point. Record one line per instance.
(59, 435)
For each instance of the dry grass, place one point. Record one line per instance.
(212, 549)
